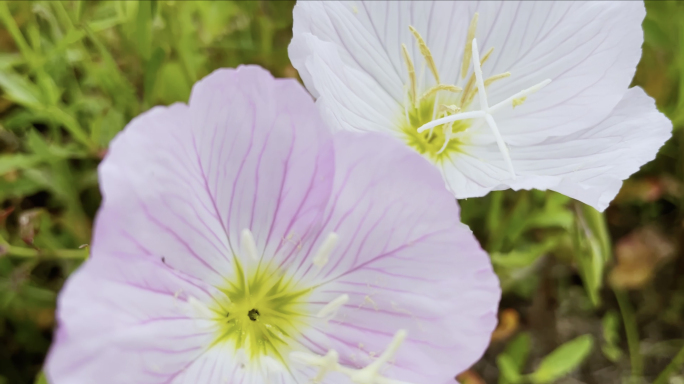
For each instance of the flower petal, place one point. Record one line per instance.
(128, 319)
(589, 49)
(591, 164)
(405, 261)
(588, 165)
(249, 152)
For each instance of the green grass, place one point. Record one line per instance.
(72, 74)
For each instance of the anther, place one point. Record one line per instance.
(450, 108)
(519, 101)
(468, 48)
(425, 51)
(249, 245)
(333, 306)
(520, 95)
(411, 72)
(494, 78)
(486, 56)
(440, 87)
(321, 257)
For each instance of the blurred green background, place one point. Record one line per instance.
(588, 298)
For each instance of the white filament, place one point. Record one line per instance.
(333, 306)
(321, 257)
(249, 245)
(368, 375)
(327, 363)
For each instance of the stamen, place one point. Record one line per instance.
(249, 245)
(200, 309)
(440, 87)
(369, 374)
(494, 78)
(321, 257)
(411, 72)
(468, 48)
(450, 108)
(523, 93)
(333, 306)
(327, 363)
(425, 51)
(486, 56)
(469, 92)
(519, 101)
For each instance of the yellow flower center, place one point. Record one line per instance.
(264, 312)
(435, 122)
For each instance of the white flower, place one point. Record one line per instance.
(557, 112)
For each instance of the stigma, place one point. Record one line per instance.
(450, 104)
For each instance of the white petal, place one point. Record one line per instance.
(340, 88)
(588, 165)
(589, 50)
(593, 163)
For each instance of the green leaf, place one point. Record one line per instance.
(41, 379)
(592, 248)
(519, 349)
(507, 369)
(19, 89)
(14, 162)
(512, 360)
(142, 33)
(611, 336)
(524, 257)
(563, 360)
(151, 71)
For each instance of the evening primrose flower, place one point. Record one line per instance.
(495, 94)
(239, 241)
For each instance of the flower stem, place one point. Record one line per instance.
(25, 252)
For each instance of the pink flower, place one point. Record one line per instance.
(496, 95)
(240, 242)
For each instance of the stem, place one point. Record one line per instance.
(632, 333)
(24, 252)
(674, 365)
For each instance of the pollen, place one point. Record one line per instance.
(411, 72)
(425, 51)
(518, 101)
(436, 123)
(467, 51)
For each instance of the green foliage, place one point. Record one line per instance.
(74, 73)
(611, 336)
(563, 360)
(512, 360)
